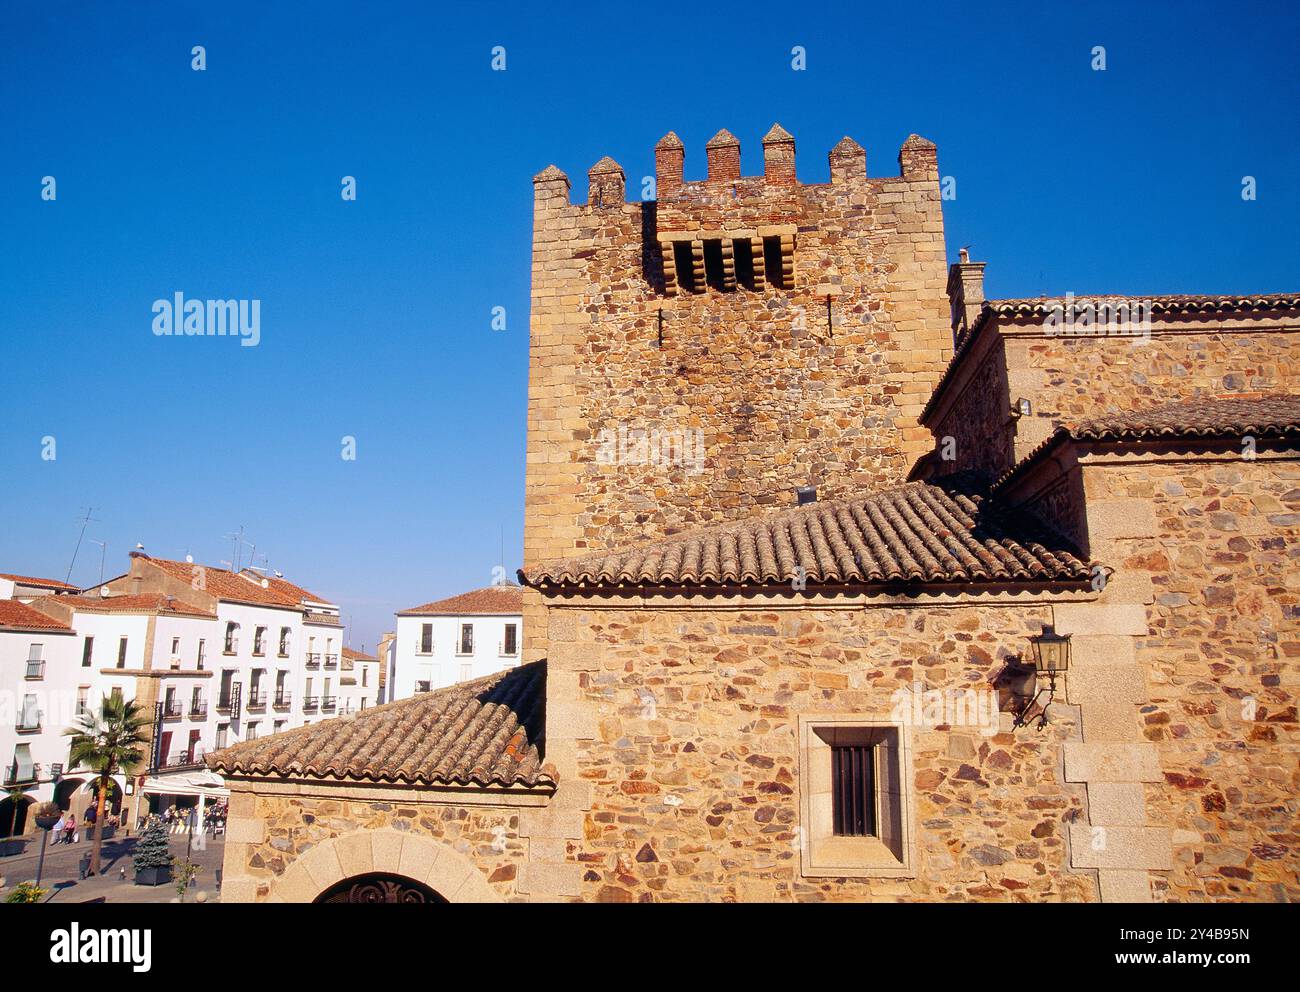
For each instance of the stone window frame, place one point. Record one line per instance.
(893, 853)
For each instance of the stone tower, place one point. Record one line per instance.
(701, 355)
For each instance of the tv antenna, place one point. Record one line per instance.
(103, 550)
(84, 521)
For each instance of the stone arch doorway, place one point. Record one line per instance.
(403, 855)
(11, 825)
(380, 887)
(90, 796)
(65, 795)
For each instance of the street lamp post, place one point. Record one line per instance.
(47, 815)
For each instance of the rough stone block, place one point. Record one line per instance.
(1119, 885)
(1100, 618)
(1118, 804)
(1121, 847)
(1109, 762)
(1106, 684)
(1113, 519)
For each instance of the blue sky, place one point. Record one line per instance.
(375, 319)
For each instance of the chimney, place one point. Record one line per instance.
(669, 158)
(723, 152)
(778, 157)
(965, 294)
(605, 184)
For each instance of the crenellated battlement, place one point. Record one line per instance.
(791, 330)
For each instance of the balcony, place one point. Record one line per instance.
(180, 759)
(28, 723)
(224, 703)
(331, 661)
(199, 711)
(313, 661)
(283, 699)
(16, 774)
(232, 646)
(256, 699)
(310, 704)
(328, 703)
(172, 709)
(35, 670)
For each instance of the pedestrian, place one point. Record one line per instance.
(70, 829)
(57, 829)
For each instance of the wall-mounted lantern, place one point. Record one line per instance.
(1021, 408)
(1051, 653)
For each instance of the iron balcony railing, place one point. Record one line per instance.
(256, 699)
(28, 723)
(328, 702)
(225, 702)
(173, 710)
(35, 670)
(313, 661)
(16, 774)
(331, 661)
(199, 710)
(309, 703)
(283, 699)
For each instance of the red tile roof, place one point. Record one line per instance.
(502, 600)
(486, 732)
(1201, 418)
(942, 532)
(237, 587)
(358, 655)
(286, 588)
(29, 580)
(19, 616)
(151, 602)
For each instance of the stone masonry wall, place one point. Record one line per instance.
(273, 834)
(1070, 378)
(752, 391)
(1216, 544)
(1074, 378)
(690, 751)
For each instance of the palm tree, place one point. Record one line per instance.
(107, 742)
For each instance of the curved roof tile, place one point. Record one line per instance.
(938, 532)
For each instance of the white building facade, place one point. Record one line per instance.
(457, 639)
(219, 656)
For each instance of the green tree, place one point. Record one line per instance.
(108, 741)
(151, 849)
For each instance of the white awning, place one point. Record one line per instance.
(192, 783)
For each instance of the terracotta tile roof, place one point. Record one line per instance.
(29, 580)
(920, 533)
(284, 587)
(1200, 418)
(486, 732)
(153, 602)
(1042, 306)
(1173, 303)
(350, 657)
(19, 616)
(502, 600)
(237, 587)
